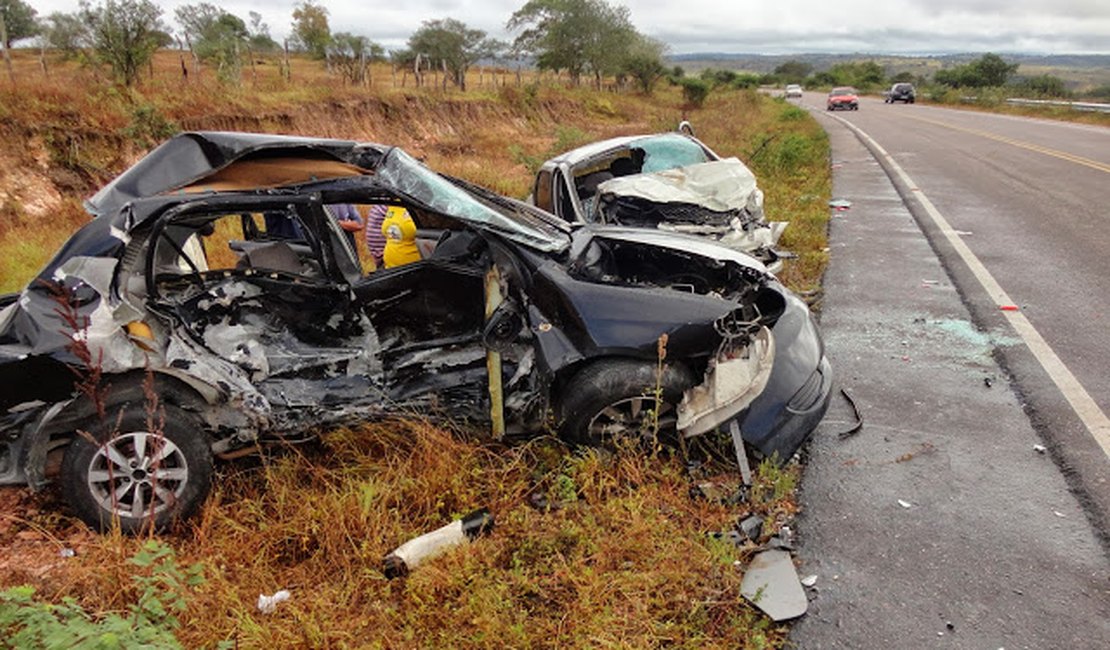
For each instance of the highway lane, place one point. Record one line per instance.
(1031, 200)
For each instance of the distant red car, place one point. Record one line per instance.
(844, 97)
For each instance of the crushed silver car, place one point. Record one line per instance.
(669, 181)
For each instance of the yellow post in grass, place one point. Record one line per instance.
(493, 357)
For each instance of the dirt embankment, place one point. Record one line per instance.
(42, 163)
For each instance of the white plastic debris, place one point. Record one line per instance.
(809, 580)
(905, 504)
(771, 584)
(268, 604)
(66, 552)
(408, 555)
(1059, 514)
(1040, 449)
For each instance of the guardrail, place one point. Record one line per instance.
(1078, 106)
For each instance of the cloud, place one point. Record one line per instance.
(783, 26)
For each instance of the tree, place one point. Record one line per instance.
(453, 45)
(65, 33)
(1044, 85)
(310, 28)
(857, 73)
(993, 70)
(352, 56)
(793, 71)
(215, 36)
(259, 34)
(18, 19)
(124, 34)
(694, 90)
(989, 70)
(561, 34)
(573, 35)
(644, 62)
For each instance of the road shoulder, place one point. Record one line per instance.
(938, 523)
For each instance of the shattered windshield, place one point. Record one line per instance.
(407, 175)
(668, 151)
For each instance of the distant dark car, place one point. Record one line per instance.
(901, 93)
(213, 304)
(843, 98)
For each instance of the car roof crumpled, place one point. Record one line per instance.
(188, 158)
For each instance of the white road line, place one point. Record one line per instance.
(1080, 400)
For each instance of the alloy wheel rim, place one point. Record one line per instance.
(632, 416)
(137, 474)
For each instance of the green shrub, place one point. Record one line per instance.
(694, 91)
(148, 623)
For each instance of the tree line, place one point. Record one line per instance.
(988, 71)
(584, 39)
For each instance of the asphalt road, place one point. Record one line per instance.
(1031, 200)
(939, 525)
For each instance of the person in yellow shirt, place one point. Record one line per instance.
(400, 238)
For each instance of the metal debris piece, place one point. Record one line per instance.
(905, 504)
(778, 542)
(732, 536)
(751, 526)
(741, 453)
(410, 554)
(771, 584)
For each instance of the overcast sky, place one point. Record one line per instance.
(744, 26)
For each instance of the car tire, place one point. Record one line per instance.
(118, 475)
(614, 398)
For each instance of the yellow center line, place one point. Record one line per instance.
(1093, 164)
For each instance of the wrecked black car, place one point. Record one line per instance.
(181, 324)
(667, 181)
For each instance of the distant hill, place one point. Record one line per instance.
(1078, 69)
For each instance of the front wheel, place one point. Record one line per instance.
(617, 398)
(143, 477)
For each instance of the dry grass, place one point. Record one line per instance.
(621, 560)
(624, 560)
